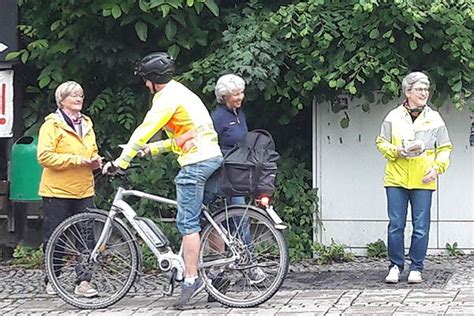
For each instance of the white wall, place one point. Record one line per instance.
(348, 171)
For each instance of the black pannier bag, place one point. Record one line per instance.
(250, 167)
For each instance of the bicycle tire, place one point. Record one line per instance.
(61, 247)
(238, 297)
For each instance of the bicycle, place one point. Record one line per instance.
(105, 247)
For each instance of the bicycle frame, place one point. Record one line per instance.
(166, 258)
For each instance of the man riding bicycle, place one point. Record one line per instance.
(192, 137)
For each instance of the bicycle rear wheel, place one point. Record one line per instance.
(257, 247)
(68, 262)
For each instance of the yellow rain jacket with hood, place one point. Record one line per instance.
(428, 127)
(60, 152)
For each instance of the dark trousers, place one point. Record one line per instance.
(56, 210)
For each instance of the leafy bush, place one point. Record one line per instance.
(149, 259)
(28, 257)
(297, 204)
(377, 249)
(453, 249)
(332, 253)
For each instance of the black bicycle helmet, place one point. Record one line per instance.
(157, 67)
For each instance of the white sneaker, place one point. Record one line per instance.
(50, 290)
(85, 289)
(415, 277)
(393, 275)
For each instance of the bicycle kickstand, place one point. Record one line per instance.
(170, 290)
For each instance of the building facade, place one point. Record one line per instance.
(348, 171)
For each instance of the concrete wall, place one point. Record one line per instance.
(348, 171)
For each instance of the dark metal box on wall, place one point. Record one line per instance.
(8, 27)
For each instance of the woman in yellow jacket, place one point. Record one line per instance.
(67, 150)
(415, 142)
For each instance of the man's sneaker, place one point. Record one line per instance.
(415, 277)
(221, 284)
(85, 289)
(256, 275)
(393, 275)
(188, 291)
(50, 290)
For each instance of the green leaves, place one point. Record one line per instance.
(170, 30)
(212, 6)
(345, 121)
(297, 203)
(141, 30)
(116, 11)
(374, 34)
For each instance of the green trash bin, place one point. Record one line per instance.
(25, 171)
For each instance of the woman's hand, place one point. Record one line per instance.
(430, 176)
(94, 163)
(402, 152)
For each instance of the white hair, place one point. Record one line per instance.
(65, 89)
(412, 78)
(226, 85)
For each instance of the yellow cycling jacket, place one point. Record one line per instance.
(60, 152)
(408, 172)
(185, 120)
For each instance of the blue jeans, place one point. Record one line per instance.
(190, 183)
(420, 201)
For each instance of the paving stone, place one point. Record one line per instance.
(304, 309)
(460, 310)
(158, 313)
(465, 296)
(430, 296)
(389, 297)
(248, 311)
(346, 288)
(417, 309)
(371, 310)
(300, 313)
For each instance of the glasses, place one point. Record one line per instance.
(421, 90)
(76, 96)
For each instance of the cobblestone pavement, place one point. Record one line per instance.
(310, 289)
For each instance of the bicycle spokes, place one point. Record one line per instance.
(251, 267)
(69, 261)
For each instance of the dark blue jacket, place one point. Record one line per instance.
(230, 127)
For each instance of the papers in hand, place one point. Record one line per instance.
(414, 148)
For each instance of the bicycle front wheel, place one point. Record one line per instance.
(68, 261)
(249, 269)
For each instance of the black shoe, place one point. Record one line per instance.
(188, 291)
(221, 284)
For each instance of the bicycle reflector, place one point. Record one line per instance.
(264, 200)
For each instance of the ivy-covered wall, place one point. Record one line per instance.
(287, 51)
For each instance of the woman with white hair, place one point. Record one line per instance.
(231, 126)
(229, 118)
(67, 150)
(414, 140)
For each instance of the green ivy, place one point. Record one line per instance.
(28, 257)
(297, 203)
(377, 249)
(291, 53)
(453, 250)
(332, 253)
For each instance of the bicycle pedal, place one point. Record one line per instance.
(172, 279)
(170, 290)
